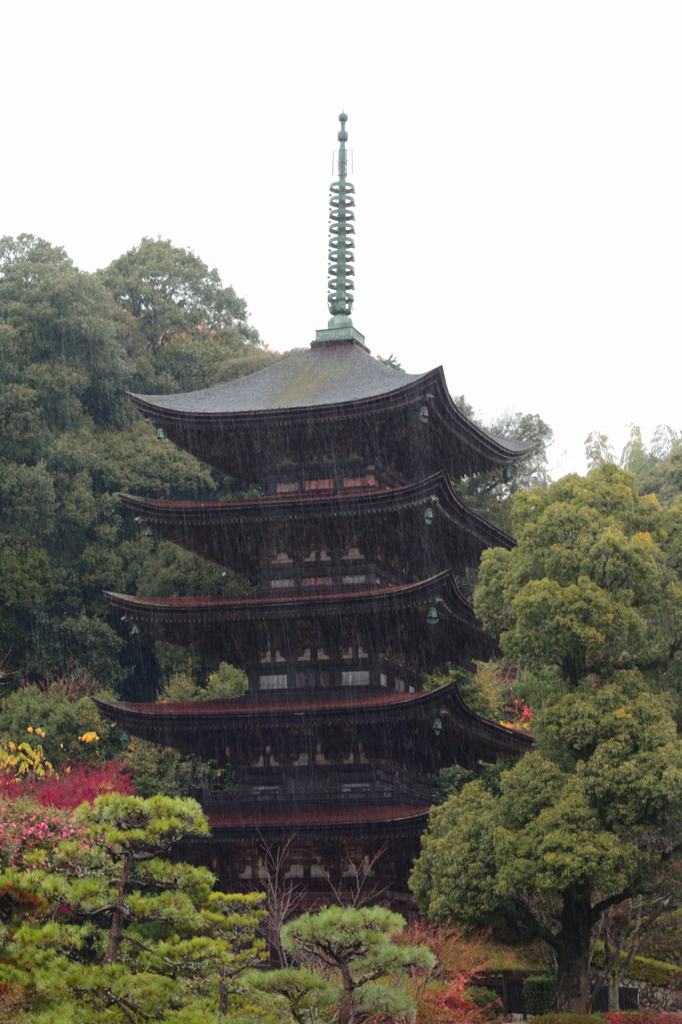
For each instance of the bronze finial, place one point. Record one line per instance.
(341, 242)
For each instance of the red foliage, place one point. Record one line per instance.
(85, 783)
(70, 788)
(452, 1007)
(635, 1017)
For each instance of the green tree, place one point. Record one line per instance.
(172, 294)
(593, 585)
(586, 822)
(63, 710)
(657, 466)
(122, 932)
(491, 493)
(598, 451)
(358, 946)
(302, 990)
(226, 683)
(70, 439)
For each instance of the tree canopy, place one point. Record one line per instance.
(591, 602)
(491, 493)
(358, 945)
(70, 347)
(119, 932)
(584, 822)
(594, 582)
(657, 466)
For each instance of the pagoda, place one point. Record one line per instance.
(355, 545)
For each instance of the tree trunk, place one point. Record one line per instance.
(614, 985)
(346, 1003)
(119, 913)
(573, 951)
(224, 998)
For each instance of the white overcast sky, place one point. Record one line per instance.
(518, 168)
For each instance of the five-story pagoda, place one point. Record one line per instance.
(355, 544)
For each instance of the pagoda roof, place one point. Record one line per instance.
(230, 628)
(326, 382)
(233, 825)
(322, 375)
(209, 528)
(465, 734)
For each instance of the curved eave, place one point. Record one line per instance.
(176, 724)
(183, 516)
(389, 821)
(358, 603)
(487, 451)
(239, 629)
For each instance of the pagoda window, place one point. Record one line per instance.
(317, 581)
(354, 579)
(305, 656)
(286, 487)
(266, 792)
(348, 656)
(360, 481)
(301, 761)
(305, 680)
(312, 557)
(266, 658)
(362, 653)
(319, 755)
(282, 558)
(324, 557)
(321, 656)
(295, 871)
(278, 682)
(282, 584)
(318, 871)
(352, 554)
(399, 685)
(383, 680)
(355, 678)
(247, 872)
(319, 485)
(356, 789)
(279, 656)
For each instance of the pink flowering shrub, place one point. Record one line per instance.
(26, 826)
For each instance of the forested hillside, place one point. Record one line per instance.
(71, 345)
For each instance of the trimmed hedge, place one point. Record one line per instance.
(540, 993)
(643, 968)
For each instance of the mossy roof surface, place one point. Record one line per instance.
(324, 375)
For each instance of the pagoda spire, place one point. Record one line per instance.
(341, 241)
(341, 245)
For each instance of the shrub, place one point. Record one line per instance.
(540, 993)
(486, 1001)
(85, 783)
(631, 1017)
(453, 1006)
(569, 1018)
(642, 968)
(654, 972)
(26, 826)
